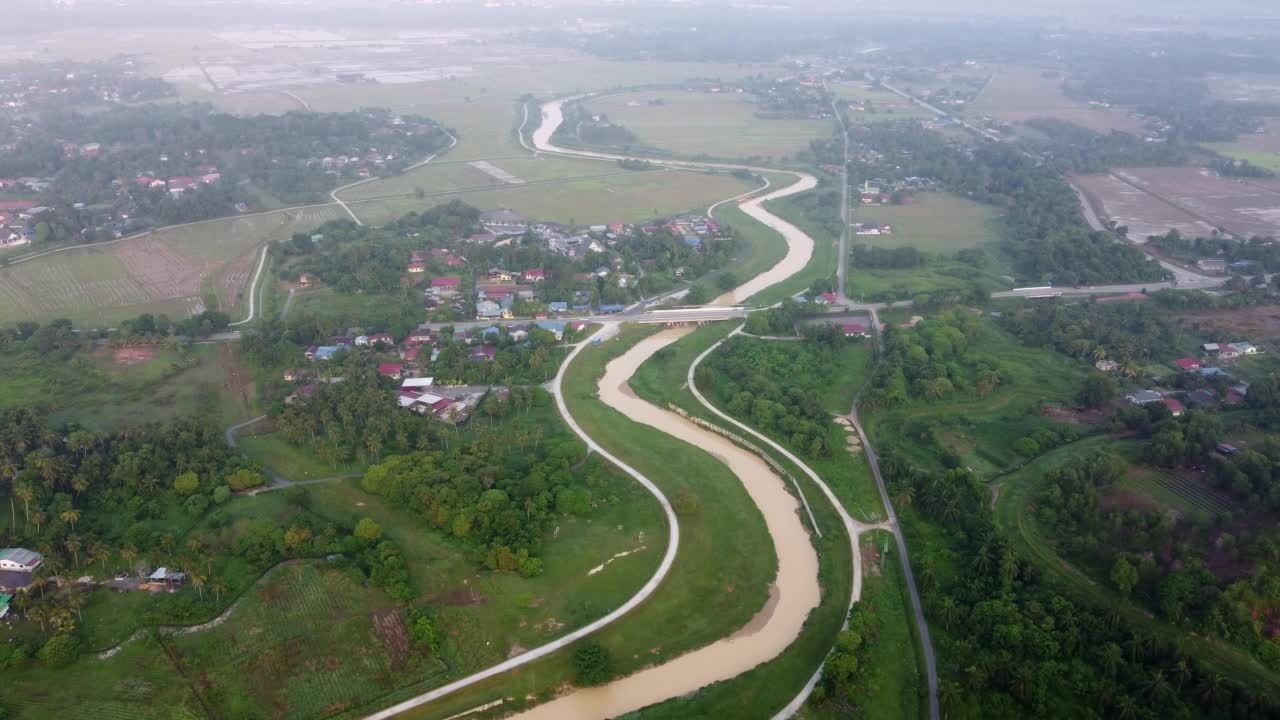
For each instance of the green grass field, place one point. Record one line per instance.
(449, 174)
(95, 392)
(1239, 151)
(876, 105)
(163, 272)
(715, 124)
(273, 451)
(932, 222)
(623, 197)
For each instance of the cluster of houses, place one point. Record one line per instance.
(179, 185)
(453, 404)
(18, 220)
(1203, 397)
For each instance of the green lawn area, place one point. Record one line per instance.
(621, 197)
(932, 222)
(722, 125)
(1018, 493)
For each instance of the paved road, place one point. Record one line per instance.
(253, 296)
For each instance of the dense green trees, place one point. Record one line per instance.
(1127, 333)
(1011, 646)
(929, 361)
(500, 502)
(744, 376)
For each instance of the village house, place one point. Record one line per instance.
(391, 370)
(306, 279)
(446, 287)
(417, 267)
(825, 298)
(851, 330)
(1107, 365)
(533, 275)
(1187, 364)
(504, 222)
(1175, 408)
(17, 568)
(1213, 265)
(1143, 397)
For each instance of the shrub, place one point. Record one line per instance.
(593, 664)
(59, 651)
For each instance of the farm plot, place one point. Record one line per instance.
(1186, 496)
(161, 272)
(1242, 208)
(624, 197)
(933, 222)
(1018, 93)
(716, 124)
(1144, 214)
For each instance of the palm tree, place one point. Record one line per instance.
(1211, 688)
(948, 610)
(1182, 671)
(39, 518)
(101, 553)
(129, 553)
(70, 517)
(26, 494)
(73, 544)
(197, 579)
(218, 587)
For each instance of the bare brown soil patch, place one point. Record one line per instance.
(389, 626)
(135, 355)
(1078, 417)
(1122, 500)
(234, 279)
(459, 597)
(870, 559)
(236, 378)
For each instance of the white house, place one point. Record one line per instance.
(19, 559)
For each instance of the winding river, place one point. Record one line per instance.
(792, 596)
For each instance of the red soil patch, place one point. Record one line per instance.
(1255, 322)
(459, 597)
(135, 355)
(395, 638)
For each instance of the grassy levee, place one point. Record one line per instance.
(764, 246)
(822, 264)
(892, 680)
(766, 688)
(718, 582)
(1019, 491)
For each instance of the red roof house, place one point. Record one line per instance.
(854, 330)
(825, 298)
(1188, 364)
(1174, 406)
(533, 275)
(391, 370)
(446, 283)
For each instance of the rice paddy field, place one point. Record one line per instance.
(932, 222)
(1019, 92)
(493, 173)
(172, 271)
(717, 124)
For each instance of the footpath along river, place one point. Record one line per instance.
(792, 596)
